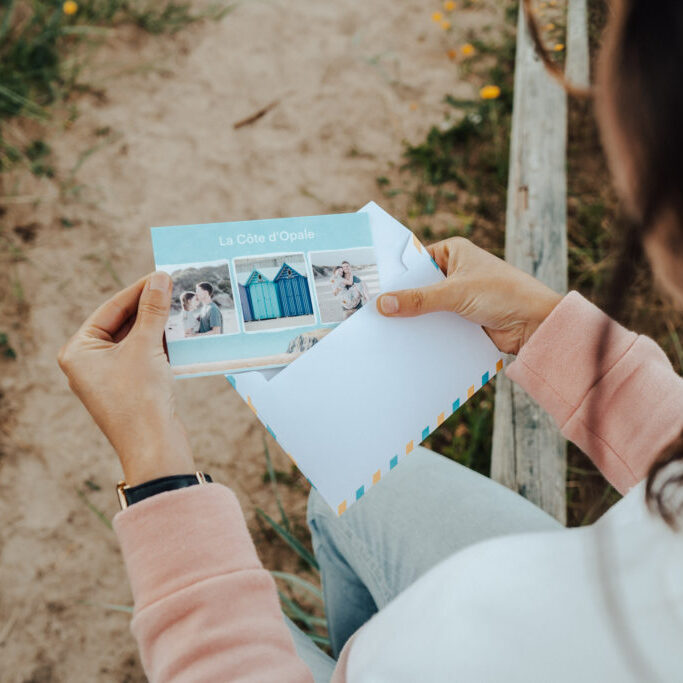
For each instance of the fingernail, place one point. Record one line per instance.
(389, 304)
(159, 281)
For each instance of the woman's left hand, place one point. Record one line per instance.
(117, 367)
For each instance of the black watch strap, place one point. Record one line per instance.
(133, 494)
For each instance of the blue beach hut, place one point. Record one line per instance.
(246, 304)
(262, 293)
(293, 293)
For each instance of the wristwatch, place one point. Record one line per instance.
(133, 494)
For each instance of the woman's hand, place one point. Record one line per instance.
(508, 303)
(117, 367)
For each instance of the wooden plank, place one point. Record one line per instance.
(577, 70)
(529, 453)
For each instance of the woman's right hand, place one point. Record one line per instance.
(507, 302)
(117, 366)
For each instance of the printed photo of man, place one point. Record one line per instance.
(210, 316)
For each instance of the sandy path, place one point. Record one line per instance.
(353, 80)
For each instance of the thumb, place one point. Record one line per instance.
(442, 296)
(153, 307)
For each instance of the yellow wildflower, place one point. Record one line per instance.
(489, 92)
(449, 5)
(467, 50)
(70, 7)
(549, 27)
(445, 24)
(437, 17)
(452, 54)
(558, 47)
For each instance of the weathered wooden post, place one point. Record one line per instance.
(577, 69)
(529, 453)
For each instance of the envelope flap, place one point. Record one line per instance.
(390, 240)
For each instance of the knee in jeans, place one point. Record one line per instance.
(316, 509)
(322, 521)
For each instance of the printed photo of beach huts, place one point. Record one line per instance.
(274, 292)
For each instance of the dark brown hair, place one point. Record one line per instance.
(551, 66)
(642, 69)
(185, 299)
(207, 287)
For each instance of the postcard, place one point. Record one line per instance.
(251, 295)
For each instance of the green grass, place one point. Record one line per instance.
(461, 166)
(6, 350)
(94, 509)
(41, 57)
(471, 154)
(466, 436)
(312, 623)
(473, 151)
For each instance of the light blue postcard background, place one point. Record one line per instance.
(210, 242)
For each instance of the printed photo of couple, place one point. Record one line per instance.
(345, 280)
(202, 303)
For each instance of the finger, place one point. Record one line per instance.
(441, 253)
(106, 320)
(123, 331)
(155, 302)
(443, 296)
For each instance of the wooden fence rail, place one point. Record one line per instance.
(529, 453)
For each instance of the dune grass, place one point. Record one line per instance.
(42, 55)
(301, 599)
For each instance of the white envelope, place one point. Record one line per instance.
(354, 405)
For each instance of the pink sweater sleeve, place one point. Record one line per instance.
(205, 608)
(621, 410)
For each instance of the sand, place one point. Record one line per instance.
(155, 145)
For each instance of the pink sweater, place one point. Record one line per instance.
(206, 609)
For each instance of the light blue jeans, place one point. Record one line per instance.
(422, 512)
